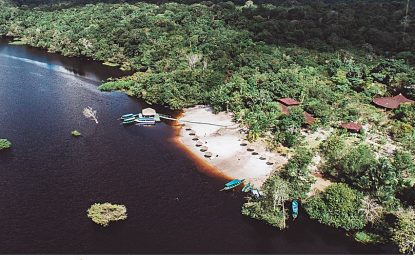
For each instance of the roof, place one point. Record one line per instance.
(351, 126)
(149, 112)
(289, 101)
(392, 102)
(309, 118)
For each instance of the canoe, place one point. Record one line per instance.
(140, 121)
(294, 208)
(125, 122)
(256, 193)
(128, 116)
(247, 187)
(233, 184)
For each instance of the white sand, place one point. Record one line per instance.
(223, 138)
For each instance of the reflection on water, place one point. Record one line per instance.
(48, 179)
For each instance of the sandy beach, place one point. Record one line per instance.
(231, 154)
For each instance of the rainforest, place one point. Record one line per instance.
(334, 57)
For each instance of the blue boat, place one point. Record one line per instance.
(247, 187)
(233, 184)
(294, 208)
(256, 193)
(128, 116)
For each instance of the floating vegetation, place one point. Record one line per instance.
(75, 133)
(5, 144)
(110, 64)
(368, 238)
(104, 213)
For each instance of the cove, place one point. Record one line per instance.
(49, 179)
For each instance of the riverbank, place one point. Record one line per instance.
(230, 154)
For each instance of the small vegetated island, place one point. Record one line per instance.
(348, 64)
(104, 213)
(5, 144)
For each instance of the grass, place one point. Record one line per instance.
(75, 133)
(104, 213)
(5, 144)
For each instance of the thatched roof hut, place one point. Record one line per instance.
(289, 101)
(199, 143)
(351, 126)
(203, 148)
(149, 112)
(392, 102)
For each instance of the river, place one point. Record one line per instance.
(49, 179)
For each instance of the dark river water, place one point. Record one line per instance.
(49, 179)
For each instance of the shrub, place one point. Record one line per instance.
(297, 174)
(403, 234)
(339, 206)
(5, 144)
(406, 113)
(368, 238)
(261, 211)
(104, 213)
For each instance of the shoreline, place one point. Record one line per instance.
(232, 157)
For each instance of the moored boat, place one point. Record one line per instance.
(233, 184)
(247, 187)
(128, 116)
(294, 208)
(128, 121)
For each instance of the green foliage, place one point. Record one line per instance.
(270, 207)
(260, 210)
(297, 174)
(368, 238)
(104, 213)
(403, 234)
(75, 133)
(5, 144)
(404, 164)
(182, 57)
(406, 113)
(333, 150)
(338, 206)
(289, 126)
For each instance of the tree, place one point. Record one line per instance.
(277, 189)
(270, 208)
(91, 114)
(338, 206)
(403, 234)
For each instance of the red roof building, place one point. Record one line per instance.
(353, 127)
(392, 102)
(289, 101)
(309, 119)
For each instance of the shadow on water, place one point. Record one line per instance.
(49, 179)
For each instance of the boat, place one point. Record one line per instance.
(256, 193)
(145, 121)
(128, 116)
(128, 121)
(294, 208)
(233, 184)
(247, 187)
